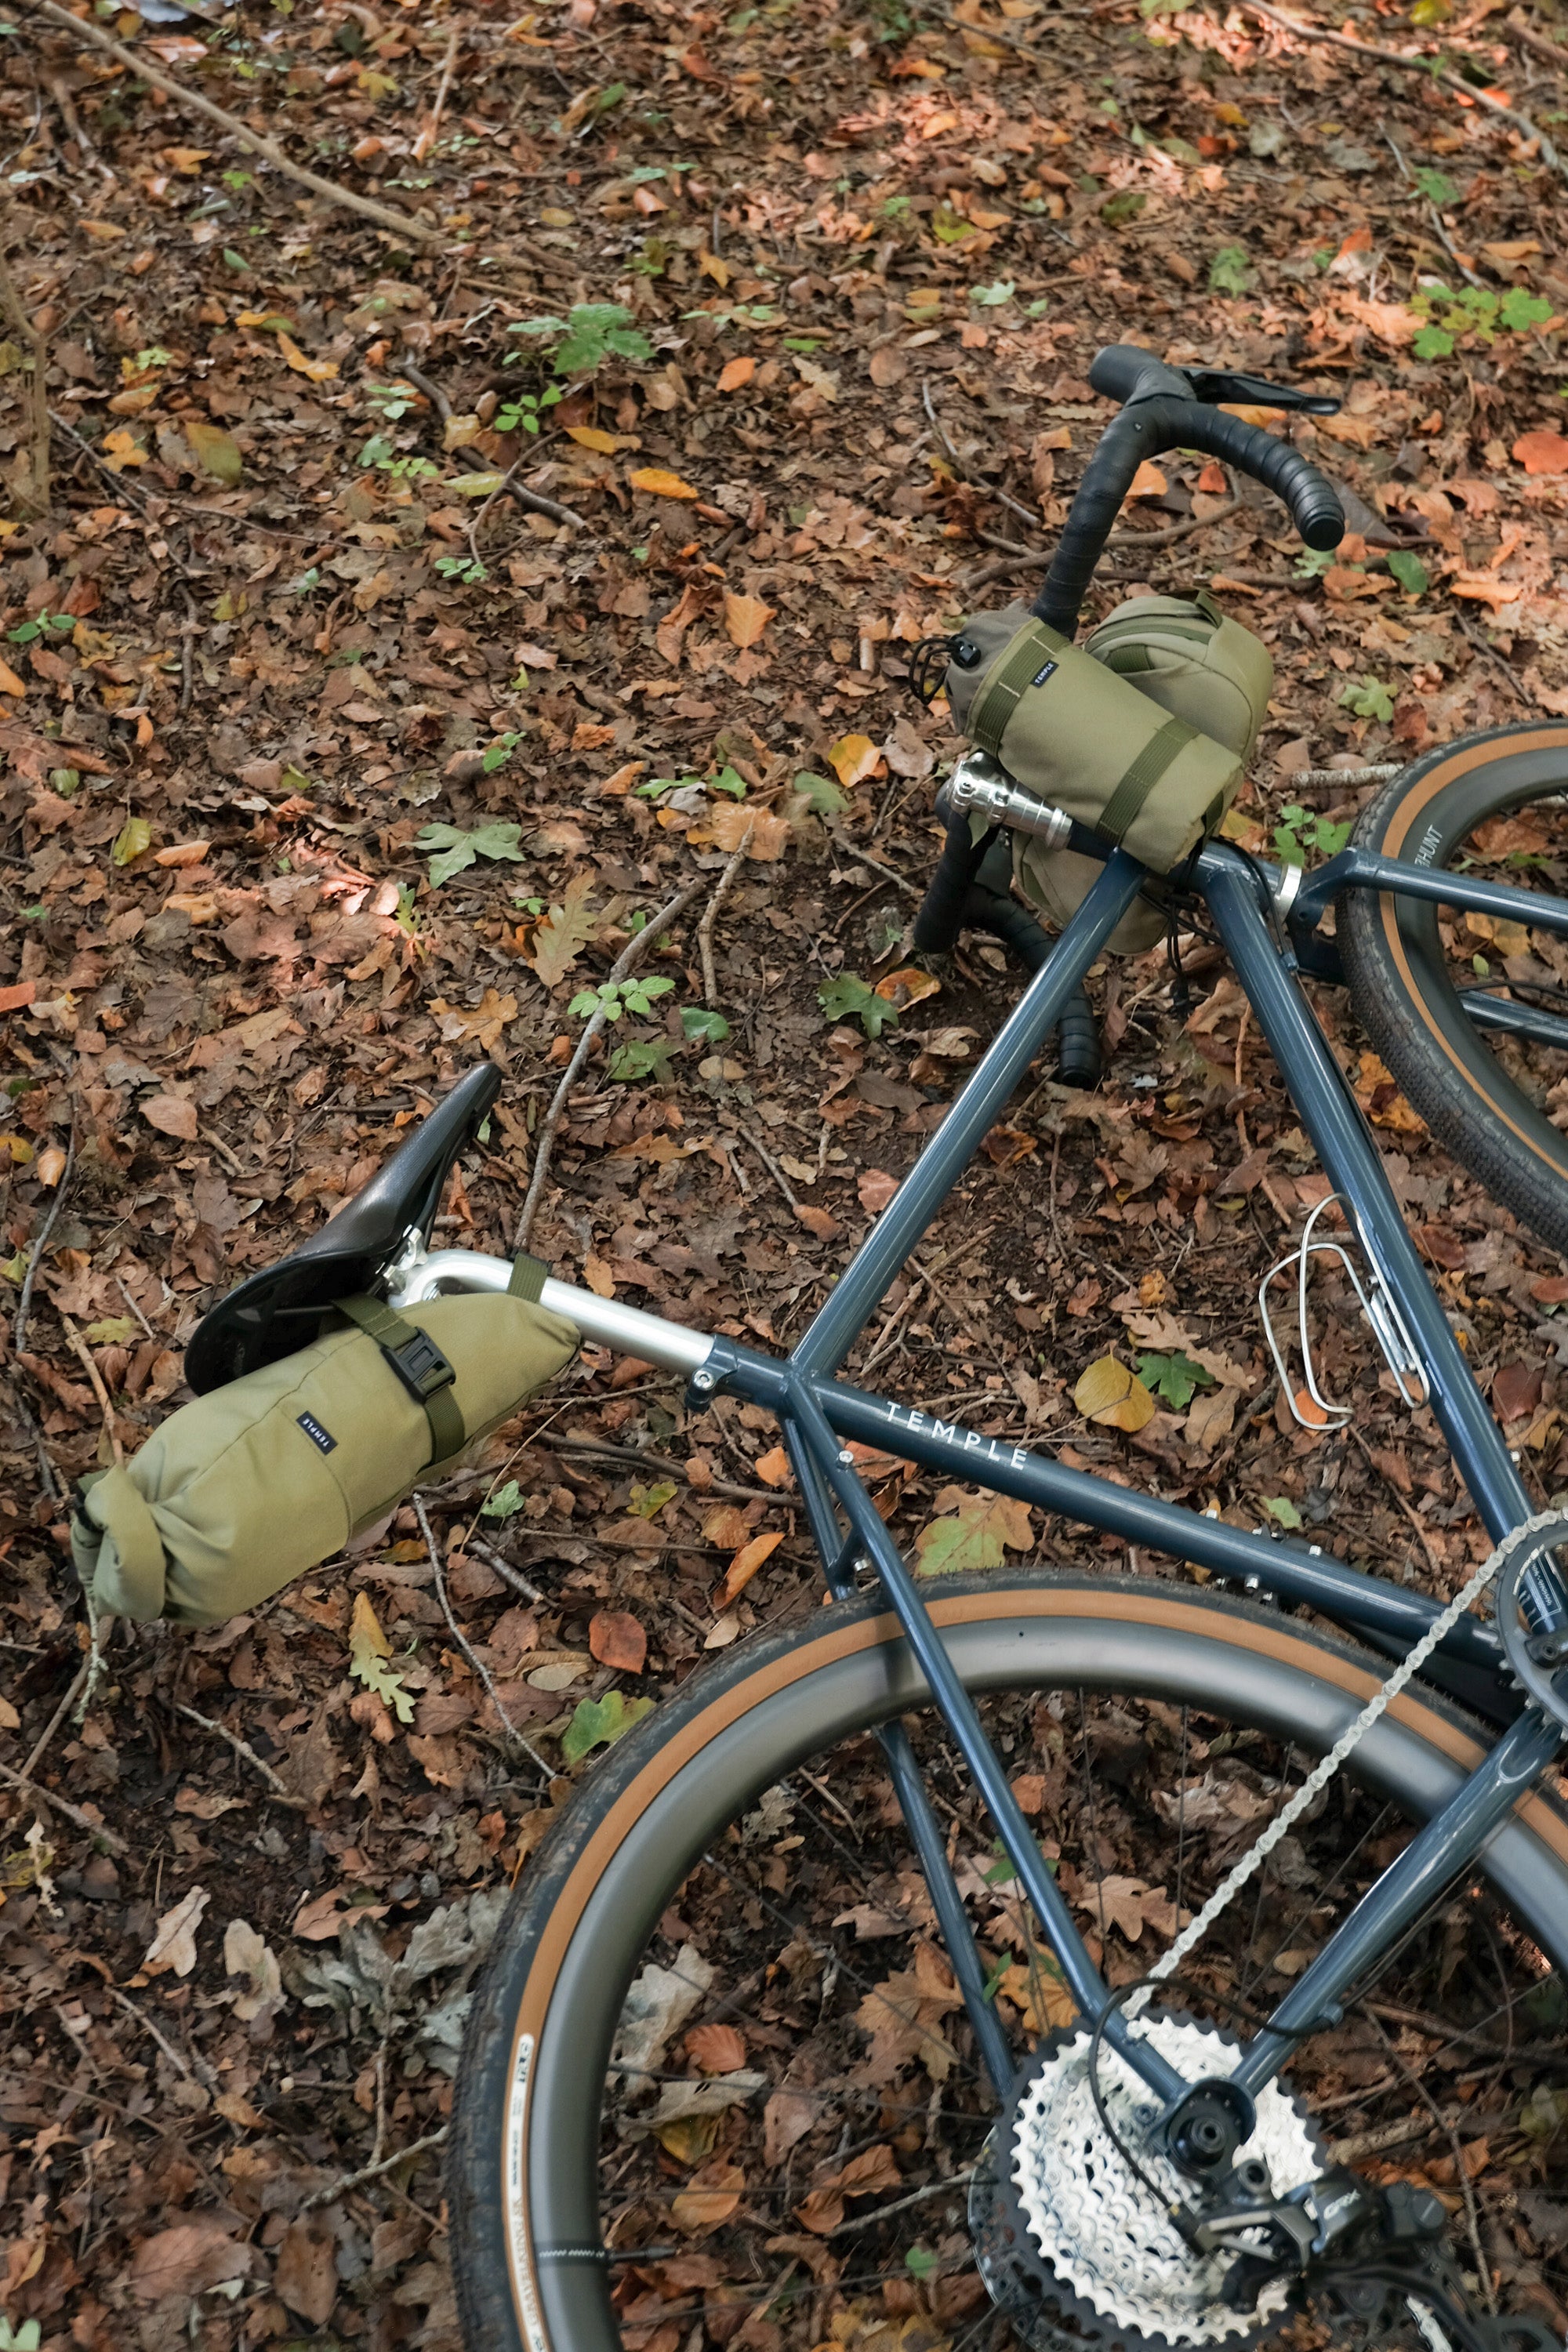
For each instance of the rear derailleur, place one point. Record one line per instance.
(1371, 2255)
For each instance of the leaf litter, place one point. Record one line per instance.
(311, 800)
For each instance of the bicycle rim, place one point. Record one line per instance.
(542, 2160)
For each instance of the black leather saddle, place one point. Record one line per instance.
(282, 1306)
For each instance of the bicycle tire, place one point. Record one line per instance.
(522, 2163)
(1403, 993)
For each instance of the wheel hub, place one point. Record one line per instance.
(1073, 2245)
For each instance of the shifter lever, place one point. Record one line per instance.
(1218, 384)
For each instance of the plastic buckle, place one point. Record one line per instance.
(420, 1365)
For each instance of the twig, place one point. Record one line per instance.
(427, 139)
(243, 1748)
(53, 1723)
(83, 1355)
(372, 2171)
(461, 1639)
(125, 1294)
(1444, 239)
(515, 1577)
(987, 489)
(531, 501)
(771, 1165)
(1484, 647)
(1124, 540)
(1530, 39)
(1380, 774)
(135, 61)
(880, 2213)
(202, 2071)
(1432, 72)
(874, 865)
(731, 1490)
(625, 963)
(99, 1830)
(36, 497)
(36, 1254)
(705, 928)
(1446, 2126)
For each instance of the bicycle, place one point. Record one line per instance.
(1135, 2172)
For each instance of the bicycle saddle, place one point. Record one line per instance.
(279, 1308)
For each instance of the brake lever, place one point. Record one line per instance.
(1216, 384)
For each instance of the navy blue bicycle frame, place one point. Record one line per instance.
(820, 1416)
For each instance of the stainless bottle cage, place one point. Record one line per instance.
(1377, 1305)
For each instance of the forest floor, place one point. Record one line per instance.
(274, 625)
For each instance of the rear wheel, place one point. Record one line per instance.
(1430, 984)
(716, 2075)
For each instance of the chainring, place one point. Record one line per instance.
(1073, 2247)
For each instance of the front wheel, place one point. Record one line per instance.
(718, 2071)
(1468, 1013)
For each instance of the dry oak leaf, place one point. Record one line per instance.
(659, 483)
(745, 618)
(594, 437)
(172, 1115)
(772, 1468)
(188, 2259)
(731, 822)
(175, 1945)
(746, 1563)
(888, 365)
(617, 1639)
(822, 2211)
(902, 2014)
(305, 2276)
(712, 2195)
(875, 1188)
(737, 371)
(483, 1025)
(1542, 453)
(1114, 1397)
(318, 371)
(1040, 1996)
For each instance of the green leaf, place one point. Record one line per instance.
(1435, 185)
(1410, 572)
(1520, 310)
(727, 780)
(26, 2338)
(647, 1502)
(599, 1721)
(504, 1503)
(1124, 206)
(639, 995)
(1228, 272)
(948, 227)
(848, 998)
(824, 795)
(647, 1058)
(132, 841)
(991, 298)
(703, 1027)
(458, 849)
(1175, 1377)
(114, 1331)
(1282, 1509)
(919, 2261)
(1432, 343)
(1370, 699)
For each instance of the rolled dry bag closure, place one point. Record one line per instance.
(1033, 659)
(424, 1372)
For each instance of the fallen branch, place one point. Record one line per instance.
(1485, 647)
(428, 137)
(705, 928)
(135, 62)
(372, 2171)
(1120, 541)
(36, 497)
(771, 1165)
(624, 964)
(1379, 774)
(1423, 65)
(199, 2069)
(99, 1830)
(83, 1355)
(243, 1748)
(728, 1488)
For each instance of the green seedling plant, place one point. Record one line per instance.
(391, 401)
(1301, 830)
(524, 410)
(42, 625)
(464, 571)
(1474, 310)
(381, 454)
(613, 997)
(1370, 699)
(591, 334)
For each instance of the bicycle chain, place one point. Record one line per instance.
(1528, 1531)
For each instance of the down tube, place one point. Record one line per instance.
(833, 1330)
(1332, 1118)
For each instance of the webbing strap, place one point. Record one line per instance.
(1121, 811)
(529, 1276)
(419, 1364)
(1030, 650)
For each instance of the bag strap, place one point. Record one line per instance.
(1121, 811)
(419, 1364)
(529, 1276)
(1021, 667)
(1207, 607)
